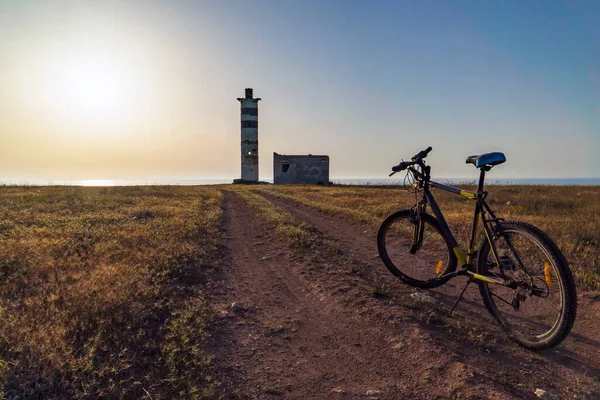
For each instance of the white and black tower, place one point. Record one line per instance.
(249, 112)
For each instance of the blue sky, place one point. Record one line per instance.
(367, 82)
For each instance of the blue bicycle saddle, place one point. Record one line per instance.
(487, 159)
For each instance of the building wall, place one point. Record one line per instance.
(307, 169)
(249, 127)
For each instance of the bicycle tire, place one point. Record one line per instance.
(525, 323)
(433, 259)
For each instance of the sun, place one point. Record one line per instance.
(93, 87)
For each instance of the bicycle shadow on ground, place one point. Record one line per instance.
(572, 353)
(572, 360)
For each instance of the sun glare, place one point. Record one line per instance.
(93, 88)
(97, 182)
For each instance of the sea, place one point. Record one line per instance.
(337, 181)
(488, 181)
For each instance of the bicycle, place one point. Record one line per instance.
(523, 277)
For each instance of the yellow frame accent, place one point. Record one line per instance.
(483, 278)
(459, 256)
(467, 194)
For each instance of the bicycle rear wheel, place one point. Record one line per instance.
(539, 311)
(416, 265)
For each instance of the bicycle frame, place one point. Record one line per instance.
(481, 210)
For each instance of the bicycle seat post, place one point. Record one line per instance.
(481, 180)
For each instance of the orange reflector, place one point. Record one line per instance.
(547, 274)
(438, 268)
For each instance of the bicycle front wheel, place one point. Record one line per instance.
(415, 251)
(538, 310)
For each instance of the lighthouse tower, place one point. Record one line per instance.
(249, 113)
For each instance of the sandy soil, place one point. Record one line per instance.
(295, 326)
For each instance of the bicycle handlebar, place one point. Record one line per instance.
(416, 159)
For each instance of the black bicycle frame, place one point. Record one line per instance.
(481, 209)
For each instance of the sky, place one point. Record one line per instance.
(147, 89)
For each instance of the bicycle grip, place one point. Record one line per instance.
(400, 167)
(422, 154)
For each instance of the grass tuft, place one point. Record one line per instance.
(379, 290)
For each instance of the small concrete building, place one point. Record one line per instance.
(308, 169)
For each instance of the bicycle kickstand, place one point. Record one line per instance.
(461, 295)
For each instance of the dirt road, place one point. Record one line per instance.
(295, 326)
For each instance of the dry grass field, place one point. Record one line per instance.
(570, 215)
(104, 291)
(99, 293)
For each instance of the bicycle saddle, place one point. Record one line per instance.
(489, 159)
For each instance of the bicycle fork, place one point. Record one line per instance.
(419, 227)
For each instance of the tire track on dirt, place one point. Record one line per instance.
(361, 241)
(288, 337)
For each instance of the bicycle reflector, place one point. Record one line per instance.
(438, 267)
(547, 274)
